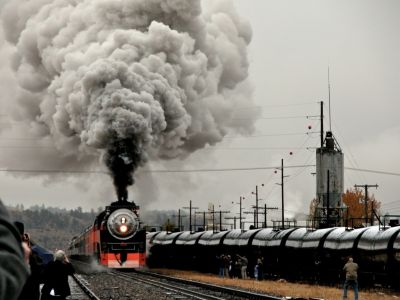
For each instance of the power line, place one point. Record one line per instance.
(54, 171)
(18, 139)
(275, 105)
(225, 169)
(190, 170)
(253, 148)
(27, 147)
(272, 118)
(272, 134)
(373, 171)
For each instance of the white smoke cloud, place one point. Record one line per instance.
(128, 81)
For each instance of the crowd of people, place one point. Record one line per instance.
(237, 266)
(23, 273)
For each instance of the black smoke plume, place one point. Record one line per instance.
(129, 81)
(122, 159)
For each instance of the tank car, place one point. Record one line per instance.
(115, 239)
(296, 254)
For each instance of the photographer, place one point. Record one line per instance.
(56, 277)
(31, 288)
(13, 259)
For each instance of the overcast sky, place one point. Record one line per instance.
(293, 44)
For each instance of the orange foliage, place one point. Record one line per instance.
(355, 201)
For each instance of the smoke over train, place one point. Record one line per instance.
(127, 81)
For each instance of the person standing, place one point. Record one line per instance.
(14, 257)
(221, 265)
(351, 269)
(227, 261)
(260, 264)
(31, 289)
(256, 271)
(56, 277)
(244, 263)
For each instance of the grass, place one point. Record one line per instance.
(282, 288)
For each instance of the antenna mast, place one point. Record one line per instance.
(329, 99)
(322, 124)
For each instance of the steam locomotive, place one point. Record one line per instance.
(115, 240)
(295, 254)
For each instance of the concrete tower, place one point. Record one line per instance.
(329, 163)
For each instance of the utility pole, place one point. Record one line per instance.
(240, 211)
(179, 216)
(213, 214)
(256, 207)
(190, 214)
(253, 213)
(328, 211)
(204, 218)
(220, 217)
(283, 193)
(283, 199)
(234, 221)
(366, 186)
(265, 214)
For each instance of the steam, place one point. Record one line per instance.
(128, 80)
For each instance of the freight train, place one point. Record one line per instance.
(115, 240)
(294, 254)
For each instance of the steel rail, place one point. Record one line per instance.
(213, 287)
(85, 288)
(169, 287)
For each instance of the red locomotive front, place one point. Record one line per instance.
(115, 240)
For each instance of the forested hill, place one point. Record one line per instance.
(52, 228)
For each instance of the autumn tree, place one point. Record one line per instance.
(312, 209)
(169, 226)
(354, 199)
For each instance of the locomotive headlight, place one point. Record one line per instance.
(122, 224)
(123, 228)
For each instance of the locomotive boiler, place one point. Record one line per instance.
(115, 239)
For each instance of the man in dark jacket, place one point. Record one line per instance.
(56, 277)
(351, 269)
(31, 289)
(14, 269)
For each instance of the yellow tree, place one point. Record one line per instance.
(354, 199)
(312, 209)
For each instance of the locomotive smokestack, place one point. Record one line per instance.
(129, 80)
(122, 159)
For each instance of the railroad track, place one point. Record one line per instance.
(80, 289)
(173, 290)
(143, 285)
(192, 289)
